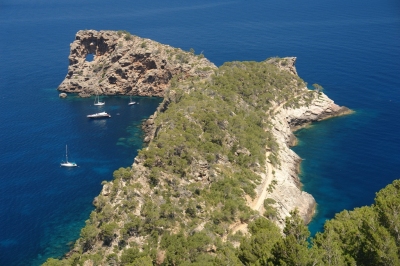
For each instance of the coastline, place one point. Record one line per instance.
(288, 192)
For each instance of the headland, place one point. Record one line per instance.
(218, 147)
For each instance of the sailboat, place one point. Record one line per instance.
(66, 163)
(97, 100)
(131, 102)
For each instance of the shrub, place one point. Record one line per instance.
(108, 232)
(128, 36)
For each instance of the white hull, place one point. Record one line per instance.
(99, 115)
(97, 101)
(68, 164)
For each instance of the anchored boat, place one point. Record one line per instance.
(130, 101)
(99, 115)
(66, 163)
(97, 100)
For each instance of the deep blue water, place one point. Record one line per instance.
(351, 48)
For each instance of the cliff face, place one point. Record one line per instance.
(287, 190)
(126, 64)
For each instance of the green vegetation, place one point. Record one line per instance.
(127, 35)
(318, 88)
(364, 236)
(270, 212)
(178, 205)
(182, 57)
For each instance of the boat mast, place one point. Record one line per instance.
(66, 153)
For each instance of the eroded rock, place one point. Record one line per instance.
(124, 64)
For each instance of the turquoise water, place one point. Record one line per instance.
(351, 48)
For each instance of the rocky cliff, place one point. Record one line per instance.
(286, 190)
(125, 64)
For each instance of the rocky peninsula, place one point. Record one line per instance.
(218, 149)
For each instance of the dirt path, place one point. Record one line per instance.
(257, 203)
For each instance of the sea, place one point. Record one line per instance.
(351, 48)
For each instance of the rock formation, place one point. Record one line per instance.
(286, 64)
(124, 64)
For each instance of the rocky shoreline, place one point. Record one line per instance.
(287, 190)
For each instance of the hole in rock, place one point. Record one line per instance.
(89, 57)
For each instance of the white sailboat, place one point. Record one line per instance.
(97, 100)
(66, 163)
(130, 101)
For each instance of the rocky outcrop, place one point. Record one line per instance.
(287, 186)
(124, 64)
(322, 108)
(286, 64)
